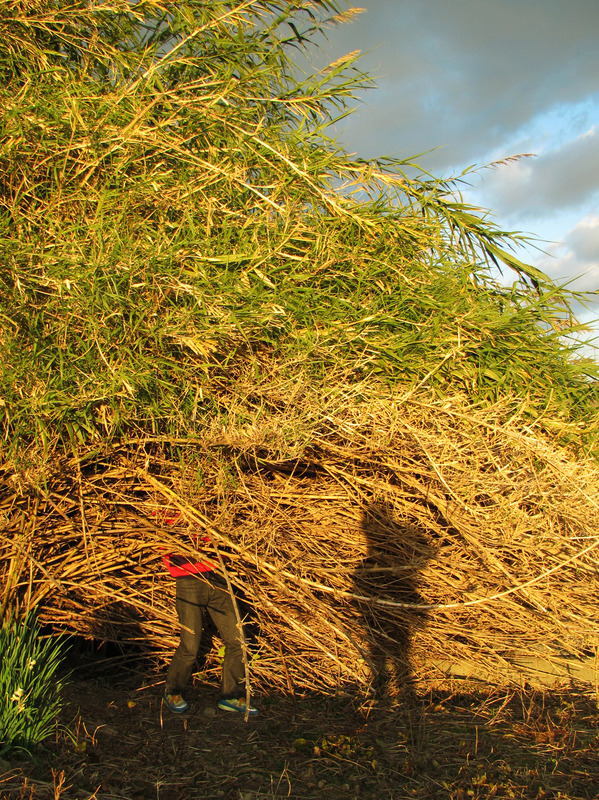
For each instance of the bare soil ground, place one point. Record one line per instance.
(120, 741)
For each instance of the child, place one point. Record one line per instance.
(199, 589)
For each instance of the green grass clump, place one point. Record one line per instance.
(171, 204)
(29, 684)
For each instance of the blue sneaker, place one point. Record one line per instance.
(176, 703)
(235, 704)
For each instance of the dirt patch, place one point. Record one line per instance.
(122, 742)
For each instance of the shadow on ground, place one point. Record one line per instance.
(123, 743)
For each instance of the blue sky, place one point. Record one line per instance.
(477, 81)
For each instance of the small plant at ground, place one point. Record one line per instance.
(28, 683)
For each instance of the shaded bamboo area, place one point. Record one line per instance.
(393, 536)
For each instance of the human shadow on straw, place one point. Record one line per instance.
(386, 581)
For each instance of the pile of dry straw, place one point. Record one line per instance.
(397, 536)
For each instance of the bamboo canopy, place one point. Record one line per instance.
(208, 307)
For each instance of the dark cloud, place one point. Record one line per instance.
(463, 75)
(479, 80)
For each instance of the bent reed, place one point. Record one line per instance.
(206, 305)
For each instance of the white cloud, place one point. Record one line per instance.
(563, 177)
(577, 256)
(584, 240)
(575, 260)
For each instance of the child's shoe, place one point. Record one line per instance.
(176, 703)
(235, 704)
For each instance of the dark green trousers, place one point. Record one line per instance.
(197, 594)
